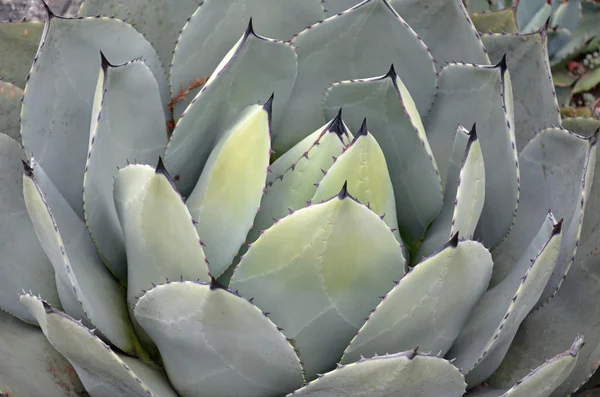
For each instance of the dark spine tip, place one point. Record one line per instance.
(472, 138)
(556, 229)
(104, 62)
(337, 125)
(47, 308)
(391, 73)
(412, 353)
(502, 64)
(594, 137)
(453, 241)
(215, 284)
(362, 131)
(27, 170)
(473, 133)
(268, 106)
(49, 12)
(344, 192)
(249, 29)
(160, 167)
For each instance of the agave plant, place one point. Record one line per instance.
(349, 200)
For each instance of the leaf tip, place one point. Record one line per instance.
(344, 192)
(556, 229)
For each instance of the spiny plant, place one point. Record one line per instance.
(298, 210)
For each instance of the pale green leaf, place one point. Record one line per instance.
(321, 288)
(253, 69)
(496, 22)
(403, 374)
(586, 83)
(57, 106)
(30, 366)
(86, 288)
(102, 371)
(252, 358)
(532, 15)
(535, 104)
(160, 21)
(216, 26)
(23, 263)
(567, 15)
(486, 336)
(395, 122)
(347, 46)
(362, 165)
(10, 110)
(19, 42)
(229, 191)
(429, 306)
(127, 125)
(477, 94)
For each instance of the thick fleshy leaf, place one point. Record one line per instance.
(485, 338)
(30, 366)
(482, 95)
(429, 306)
(541, 335)
(402, 374)
(587, 28)
(557, 39)
(102, 371)
(581, 125)
(496, 22)
(300, 171)
(57, 106)
(216, 26)
(19, 42)
(160, 21)
(161, 239)
(347, 46)
(229, 191)
(321, 288)
(454, 40)
(10, 110)
(464, 193)
(86, 288)
(253, 69)
(535, 105)
(362, 165)
(252, 358)
(395, 122)
(23, 263)
(532, 14)
(567, 15)
(587, 82)
(127, 125)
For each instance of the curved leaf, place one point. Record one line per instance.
(57, 106)
(10, 110)
(532, 14)
(251, 359)
(429, 306)
(86, 288)
(496, 22)
(482, 95)
(253, 69)
(408, 373)
(215, 27)
(19, 42)
(347, 46)
(127, 125)
(229, 191)
(102, 371)
(395, 122)
(320, 289)
(23, 263)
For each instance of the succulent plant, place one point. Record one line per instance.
(338, 199)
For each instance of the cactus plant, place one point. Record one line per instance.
(335, 198)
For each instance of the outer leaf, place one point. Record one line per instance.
(454, 40)
(57, 106)
(485, 338)
(160, 21)
(19, 42)
(408, 373)
(342, 48)
(363, 166)
(86, 288)
(478, 94)
(429, 306)
(535, 105)
(531, 15)
(540, 336)
(161, 239)
(30, 366)
(320, 289)
(395, 122)
(587, 82)
(253, 69)
(102, 371)
(251, 359)
(588, 28)
(127, 124)
(23, 262)
(567, 15)
(496, 22)
(464, 193)
(229, 191)
(216, 26)
(10, 110)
